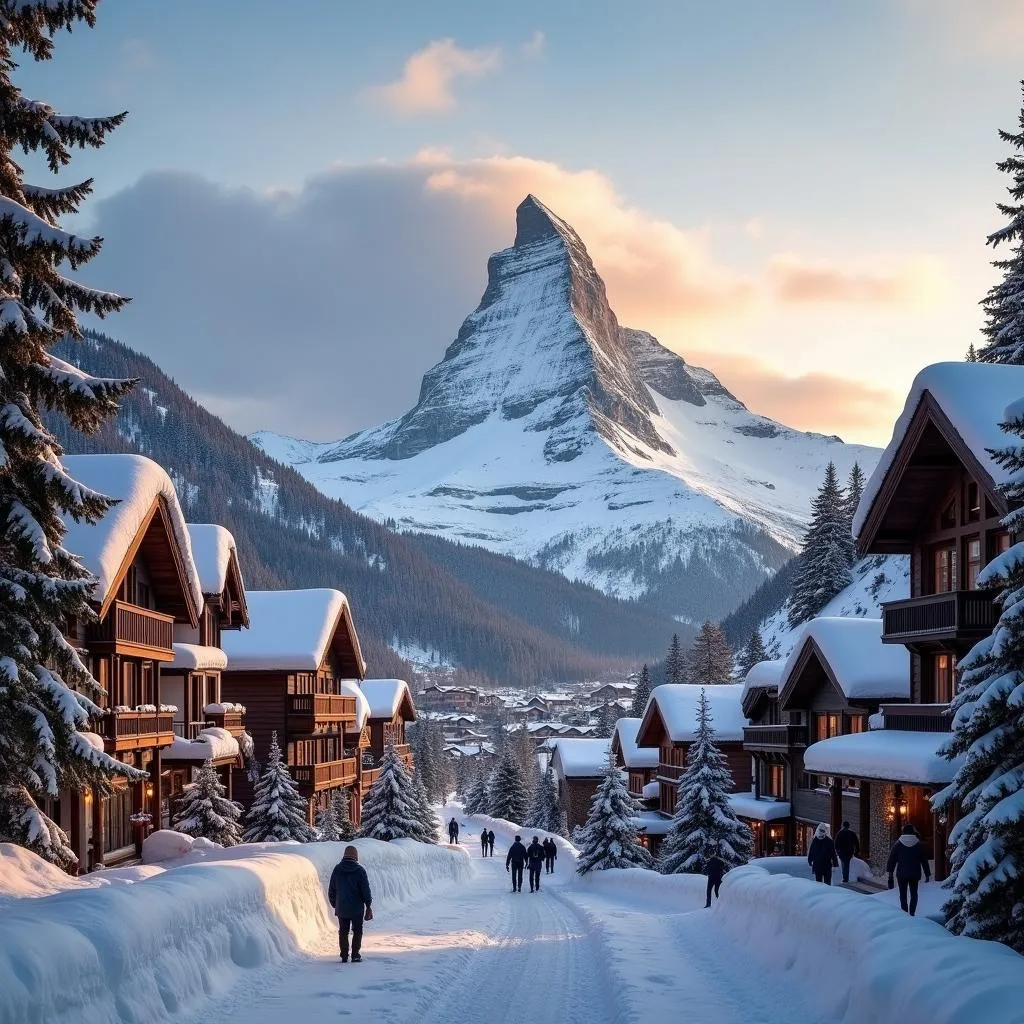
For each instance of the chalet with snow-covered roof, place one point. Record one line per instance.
(147, 586)
(579, 766)
(292, 670)
(640, 763)
(933, 496)
(609, 692)
(204, 725)
(669, 726)
(391, 707)
(448, 698)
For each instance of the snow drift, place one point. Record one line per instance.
(139, 954)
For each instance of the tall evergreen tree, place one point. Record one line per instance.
(753, 652)
(675, 662)
(609, 838)
(392, 808)
(509, 798)
(709, 661)
(550, 816)
(47, 693)
(824, 563)
(606, 719)
(205, 810)
(704, 824)
(444, 773)
(972, 354)
(1004, 303)
(326, 825)
(851, 499)
(278, 811)
(987, 880)
(341, 804)
(641, 694)
(525, 748)
(425, 816)
(478, 800)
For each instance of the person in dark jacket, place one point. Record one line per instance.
(908, 860)
(349, 895)
(483, 842)
(715, 872)
(550, 853)
(847, 847)
(822, 855)
(490, 843)
(515, 861)
(453, 831)
(535, 857)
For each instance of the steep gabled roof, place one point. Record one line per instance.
(672, 712)
(624, 744)
(762, 679)
(387, 697)
(216, 559)
(292, 631)
(581, 758)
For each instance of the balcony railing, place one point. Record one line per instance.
(231, 721)
(325, 775)
(775, 738)
(670, 771)
(189, 730)
(131, 730)
(308, 709)
(958, 614)
(128, 628)
(918, 717)
(368, 777)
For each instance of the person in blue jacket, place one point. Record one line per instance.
(349, 895)
(908, 861)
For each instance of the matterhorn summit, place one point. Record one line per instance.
(550, 433)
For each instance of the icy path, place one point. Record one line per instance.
(564, 954)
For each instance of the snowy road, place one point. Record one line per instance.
(563, 954)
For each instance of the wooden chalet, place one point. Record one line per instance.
(206, 727)
(147, 586)
(448, 698)
(579, 766)
(640, 763)
(292, 671)
(933, 497)
(390, 708)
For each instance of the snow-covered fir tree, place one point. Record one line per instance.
(823, 566)
(753, 652)
(278, 810)
(205, 810)
(972, 354)
(526, 752)
(46, 692)
(607, 716)
(609, 838)
(987, 877)
(325, 822)
(509, 797)
(709, 661)
(478, 799)
(391, 810)
(675, 661)
(851, 499)
(641, 693)
(430, 827)
(341, 804)
(704, 824)
(1004, 303)
(545, 813)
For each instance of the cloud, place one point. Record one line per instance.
(534, 46)
(916, 282)
(428, 77)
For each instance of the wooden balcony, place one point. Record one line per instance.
(964, 615)
(188, 730)
(774, 739)
(134, 730)
(918, 717)
(230, 721)
(133, 631)
(368, 777)
(670, 771)
(308, 710)
(311, 778)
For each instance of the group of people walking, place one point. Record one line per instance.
(486, 843)
(536, 856)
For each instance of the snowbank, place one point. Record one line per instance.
(504, 831)
(797, 867)
(639, 888)
(856, 961)
(140, 954)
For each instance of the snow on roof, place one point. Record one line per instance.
(677, 703)
(347, 687)
(748, 806)
(470, 749)
(651, 791)
(385, 696)
(195, 658)
(212, 547)
(892, 755)
(211, 744)
(765, 675)
(864, 667)
(289, 629)
(651, 823)
(582, 758)
(136, 482)
(632, 755)
(973, 397)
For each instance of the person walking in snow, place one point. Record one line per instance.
(715, 872)
(453, 832)
(349, 895)
(550, 854)
(483, 842)
(822, 855)
(908, 860)
(515, 861)
(535, 857)
(490, 843)
(847, 847)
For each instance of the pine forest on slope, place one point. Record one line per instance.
(491, 617)
(551, 434)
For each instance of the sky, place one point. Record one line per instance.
(303, 198)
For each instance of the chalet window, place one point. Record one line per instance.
(148, 683)
(999, 542)
(943, 570)
(127, 695)
(142, 595)
(773, 712)
(948, 518)
(776, 781)
(973, 510)
(827, 726)
(117, 829)
(854, 723)
(973, 561)
(796, 718)
(942, 679)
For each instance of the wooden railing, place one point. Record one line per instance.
(232, 721)
(368, 777)
(670, 771)
(774, 737)
(132, 626)
(188, 730)
(918, 717)
(325, 775)
(323, 707)
(129, 730)
(956, 613)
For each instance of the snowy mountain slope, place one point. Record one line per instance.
(550, 433)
